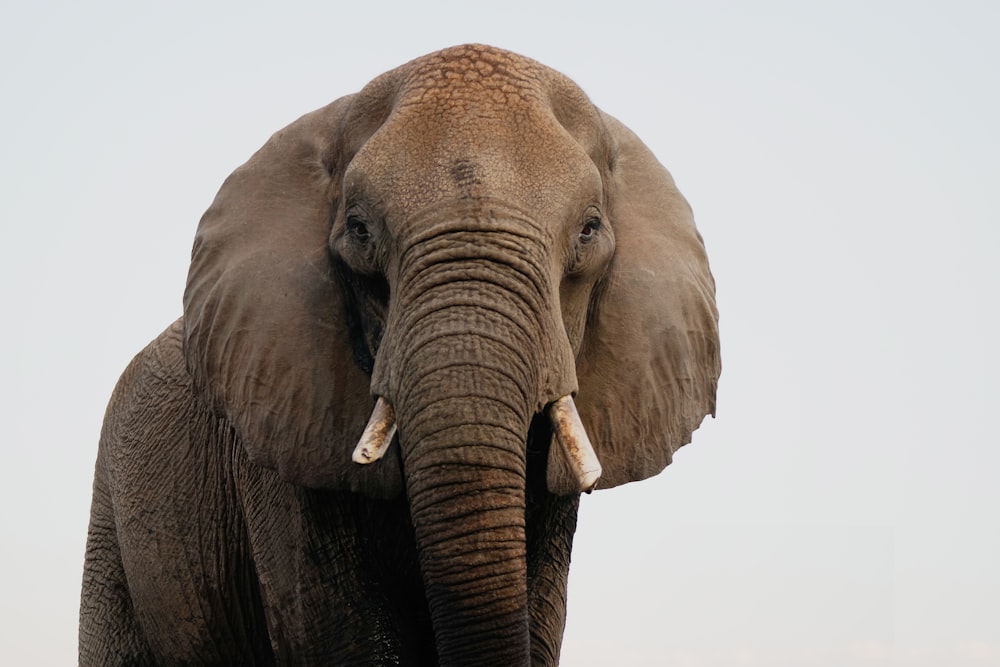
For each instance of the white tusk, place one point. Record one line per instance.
(575, 443)
(378, 433)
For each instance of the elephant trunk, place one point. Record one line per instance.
(463, 421)
(468, 344)
(466, 485)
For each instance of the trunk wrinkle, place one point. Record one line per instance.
(465, 385)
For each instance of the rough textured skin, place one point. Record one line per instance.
(469, 238)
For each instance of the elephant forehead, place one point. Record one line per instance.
(474, 78)
(416, 160)
(482, 82)
(475, 122)
(412, 176)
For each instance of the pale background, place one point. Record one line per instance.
(843, 161)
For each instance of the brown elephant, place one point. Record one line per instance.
(365, 440)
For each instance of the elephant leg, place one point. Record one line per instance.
(338, 574)
(550, 526)
(109, 630)
(185, 550)
(166, 516)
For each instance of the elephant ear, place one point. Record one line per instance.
(266, 335)
(649, 363)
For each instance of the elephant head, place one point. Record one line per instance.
(464, 245)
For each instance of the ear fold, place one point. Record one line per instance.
(649, 363)
(265, 335)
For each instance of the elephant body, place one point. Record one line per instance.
(500, 269)
(272, 573)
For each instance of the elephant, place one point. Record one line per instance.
(418, 324)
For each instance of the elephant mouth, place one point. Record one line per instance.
(567, 433)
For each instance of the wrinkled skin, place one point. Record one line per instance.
(470, 239)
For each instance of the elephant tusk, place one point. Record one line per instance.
(378, 433)
(573, 439)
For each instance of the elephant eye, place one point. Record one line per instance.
(357, 228)
(589, 229)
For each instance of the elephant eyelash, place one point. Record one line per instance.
(358, 228)
(589, 229)
(592, 235)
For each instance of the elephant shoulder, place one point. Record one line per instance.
(157, 373)
(153, 405)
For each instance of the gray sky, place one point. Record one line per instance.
(842, 160)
